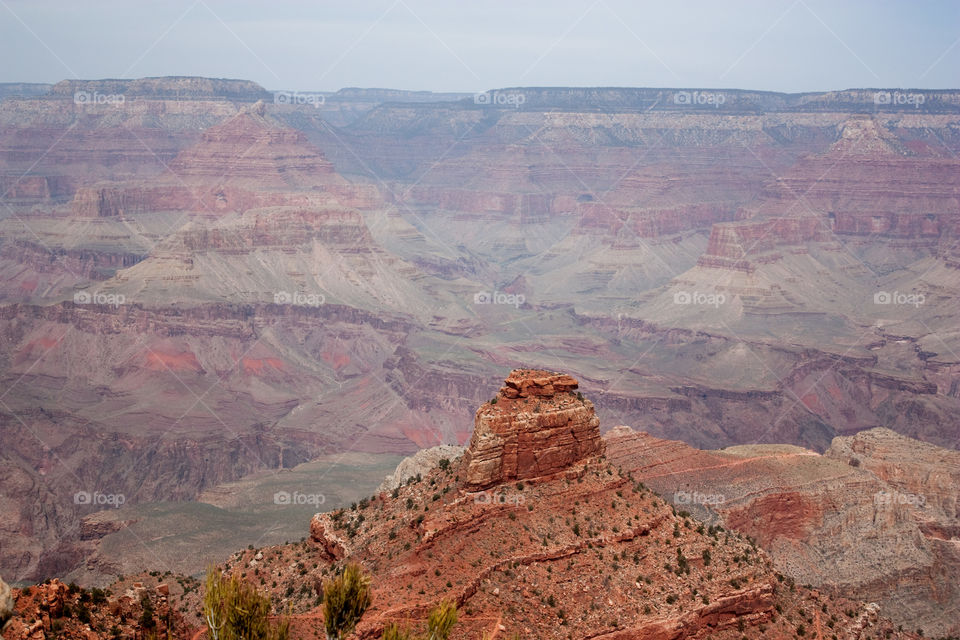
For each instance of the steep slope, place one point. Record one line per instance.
(581, 551)
(875, 517)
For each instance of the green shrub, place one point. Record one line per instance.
(440, 622)
(345, 600)
(235, 610)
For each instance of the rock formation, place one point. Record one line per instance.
(536, 425)
(129, 610)
(419, 464)
(323, 535)
(246, 162)
(6, 604)
(875, 517)
(588, 553)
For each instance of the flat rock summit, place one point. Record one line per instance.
(537, 424)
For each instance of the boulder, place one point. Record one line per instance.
(6, 604)
(419, 464)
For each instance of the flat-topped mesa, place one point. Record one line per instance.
(537, 425)
(524, 383)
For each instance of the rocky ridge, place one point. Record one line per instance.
(419, 464)
(556, 556)
(587, 551)
(874, 517)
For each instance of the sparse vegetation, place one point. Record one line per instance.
(234, 610)
(345, 600)
(440, 623)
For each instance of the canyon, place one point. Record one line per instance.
(203, 282)
(576, 548)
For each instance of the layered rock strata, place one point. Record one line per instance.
(537, 424)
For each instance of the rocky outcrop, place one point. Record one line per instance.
(322, 534)
(54, 610)
(738, 241)
(875, 517)
(920, 477)
(536, 425)
(588, 553)
(419, 464)
(6, 604)
(246, 162)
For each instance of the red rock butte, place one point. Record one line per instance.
(537, 425)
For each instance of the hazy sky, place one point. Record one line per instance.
(793, 45)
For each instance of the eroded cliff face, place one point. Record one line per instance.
(243, 163)
(536, 425)
(874, 517)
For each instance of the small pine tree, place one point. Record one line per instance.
(441, 620)
(393, 632)
(146, 620)
(234, 610)
(345, 600)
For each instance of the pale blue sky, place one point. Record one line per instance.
(792, 45)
